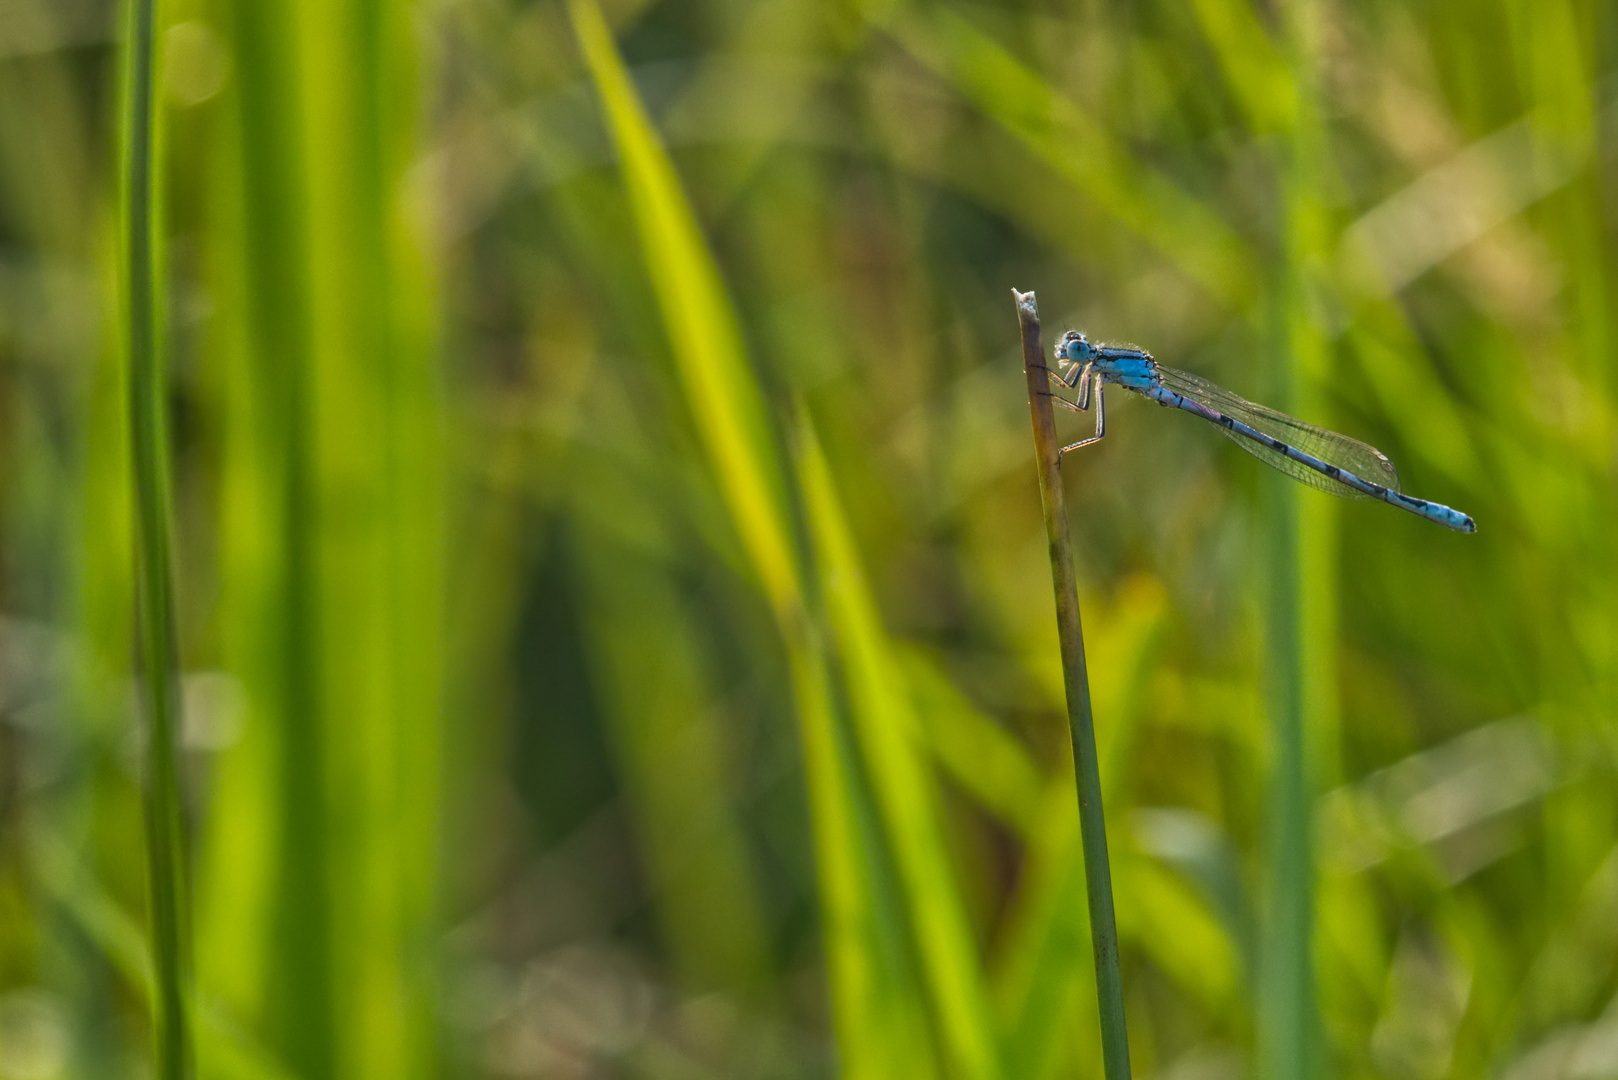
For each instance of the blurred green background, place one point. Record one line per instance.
(614, 606)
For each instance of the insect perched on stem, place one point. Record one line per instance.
(1315, 456)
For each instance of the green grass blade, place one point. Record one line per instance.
(319, 848)
(239, 847)
(273, 555)
(1302, 628)
(878, 1032)
(1286, 981)
(1300, 533)
(725, 397)
(883, 1031)
(883, 718)
(378, 530)
(157, 637)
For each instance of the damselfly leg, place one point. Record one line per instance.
(1083, 377)
(1083, 405)
(1074, 376)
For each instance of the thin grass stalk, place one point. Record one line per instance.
(1299, 614)
(1076, 680)
(1300, 628)
(1286, 979)
(157, 653)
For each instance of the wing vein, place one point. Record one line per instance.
(1351, 455)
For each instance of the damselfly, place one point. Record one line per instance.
(1319, 458)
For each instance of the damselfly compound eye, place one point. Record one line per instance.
(1073, 347)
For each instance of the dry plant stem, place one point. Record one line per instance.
(157, 652)
(1075, 676)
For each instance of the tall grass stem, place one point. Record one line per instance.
(156, 645)
(1076, 681)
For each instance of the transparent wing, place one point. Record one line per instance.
(1364, 461)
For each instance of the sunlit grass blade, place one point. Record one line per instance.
(872, 1009)
(239, 848)
(379, 534)
(284, 964)
(702, 327)
(322, 877)
(882, 717)
(157, 636)
(882, 1027)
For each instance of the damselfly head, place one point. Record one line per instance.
(1074, 348)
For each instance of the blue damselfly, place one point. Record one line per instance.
(1319, 458)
